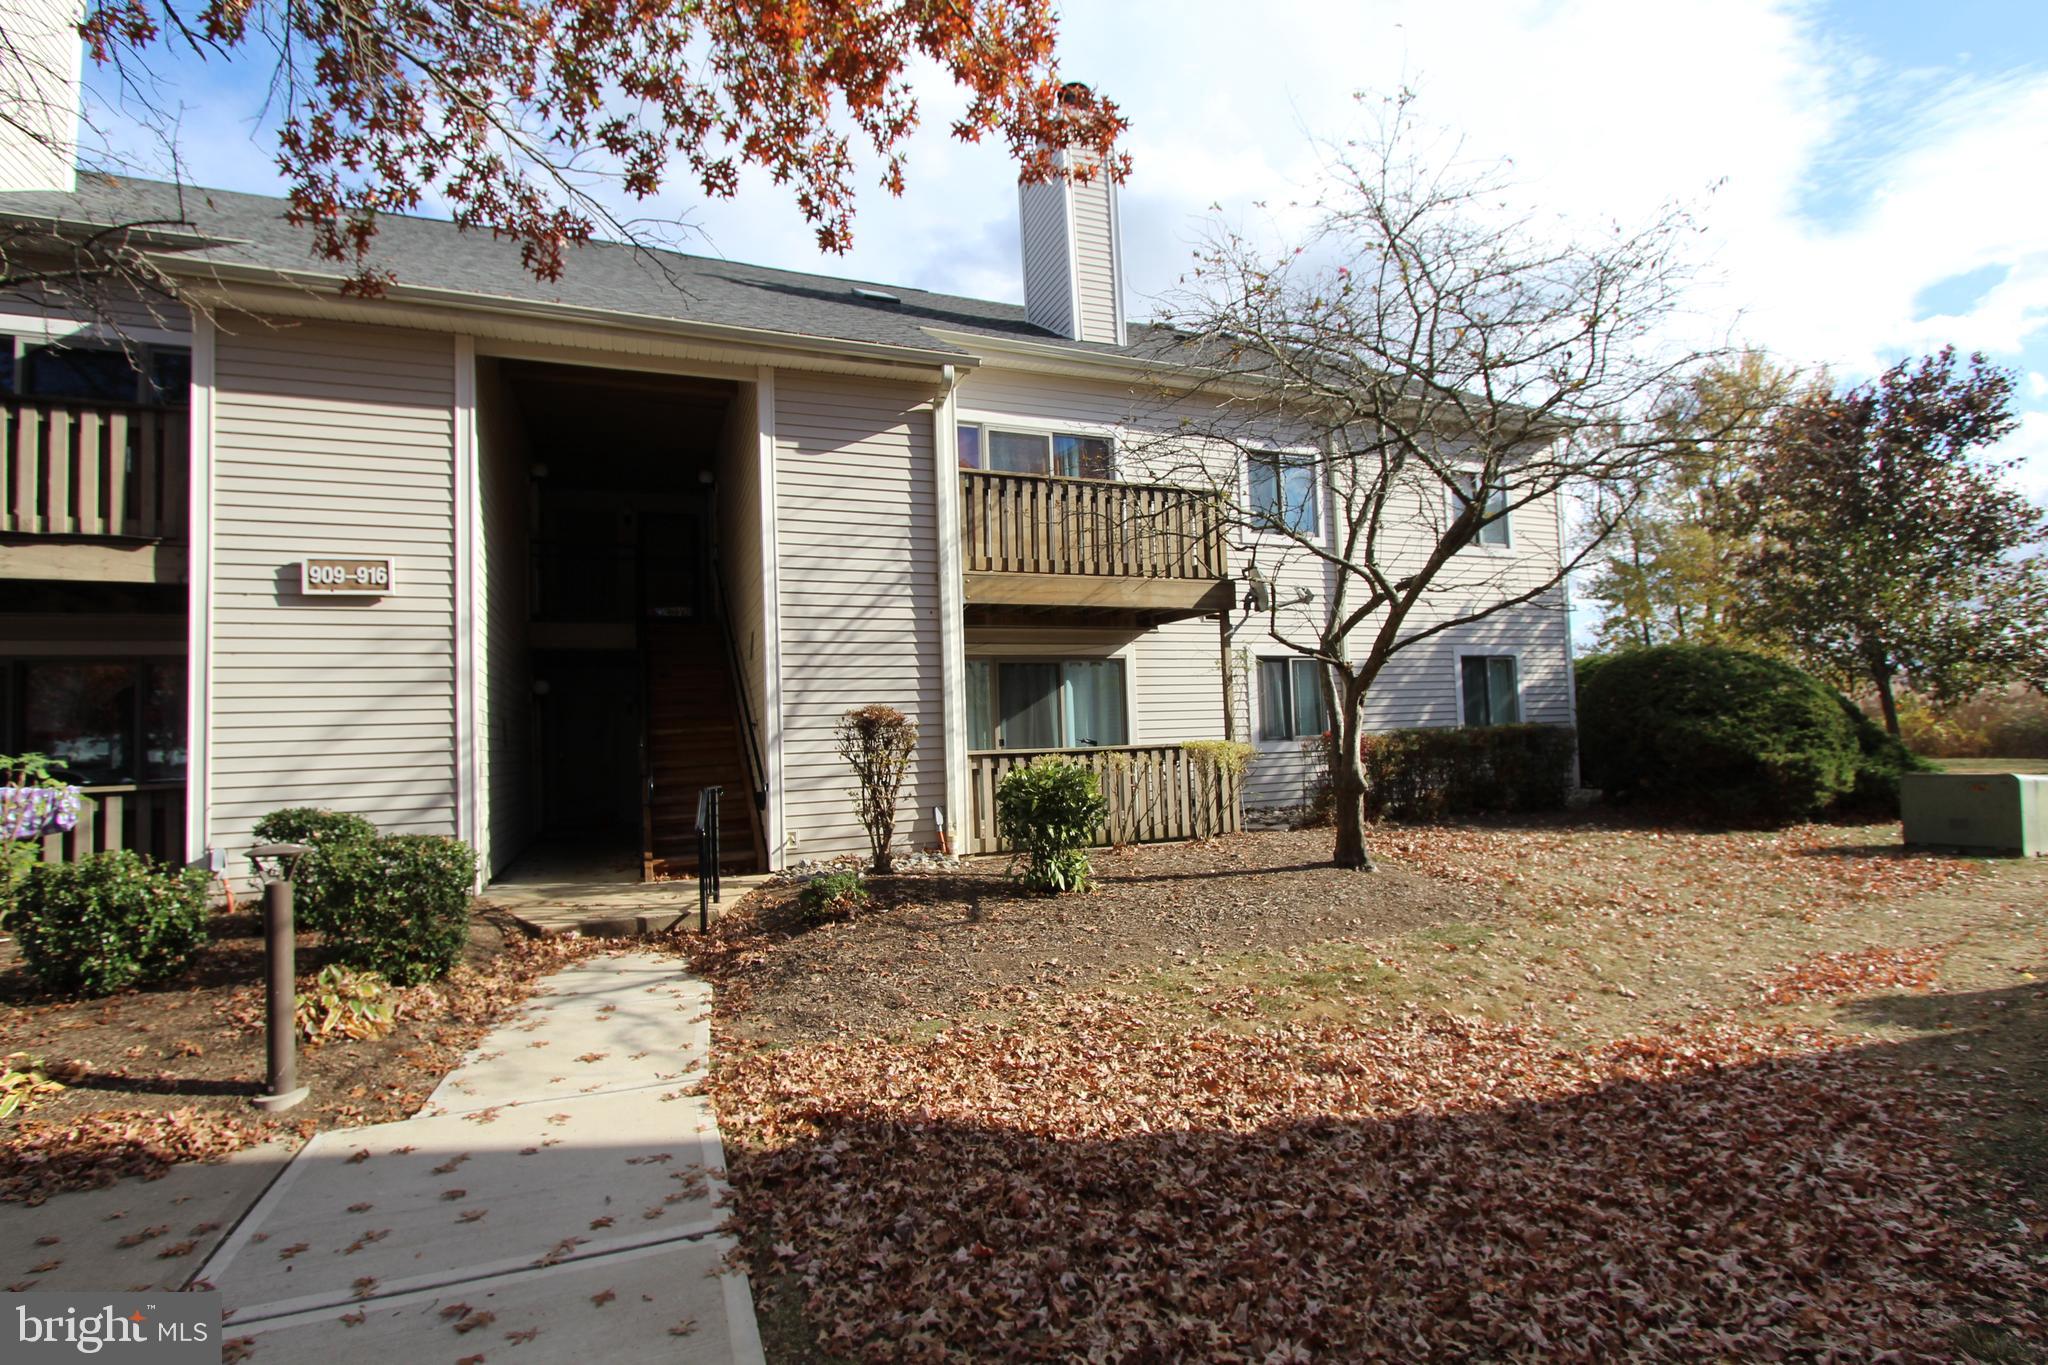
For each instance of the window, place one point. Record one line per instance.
(1290, 699)
(112, 722)
(1490, 693)
(1493, 533)
(1053, 704)
(1283, 489)
(151, 374)
(1066, 454)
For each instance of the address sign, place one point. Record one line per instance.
(345, 577)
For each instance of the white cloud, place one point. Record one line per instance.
(1834, 188)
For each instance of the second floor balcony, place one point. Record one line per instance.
(93, 490)
(1034, 542)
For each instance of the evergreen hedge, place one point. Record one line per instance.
(1435, 773)
(1734, 735)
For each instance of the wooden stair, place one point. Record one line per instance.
(694, 742)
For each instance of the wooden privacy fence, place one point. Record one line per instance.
(149, 818)
(1027, 523)
(93, 469)
(1156, 793)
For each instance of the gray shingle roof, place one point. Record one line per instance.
(433, 253)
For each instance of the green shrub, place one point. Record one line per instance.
(831, 895)
(109, 921)
(1438, 773)
(344, 1004)
(328, 835)
(1734, 735)
(1048, 810)
(401, 905)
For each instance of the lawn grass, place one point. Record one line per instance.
(1993, 765)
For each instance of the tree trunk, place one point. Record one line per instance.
(1347, 784)
(1887, 702)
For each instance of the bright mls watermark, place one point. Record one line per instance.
(165, 1328)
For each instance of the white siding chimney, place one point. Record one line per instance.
(1073, 267)
(41, 57)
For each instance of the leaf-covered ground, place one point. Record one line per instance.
(161, 1075)
(1651, 1094)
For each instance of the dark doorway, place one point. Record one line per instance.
(587, 703)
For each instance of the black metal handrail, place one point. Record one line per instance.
(708, 854)
(757, 771)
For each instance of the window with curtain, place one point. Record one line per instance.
(1051, 704)
(1069, 455)
(1495, 532)
(1491, 693)
(1283, 490)
(1290, 699)
(112, 722)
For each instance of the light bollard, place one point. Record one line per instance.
(282, 1089)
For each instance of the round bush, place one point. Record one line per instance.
(1737, 736)
(1048, 811)
(401, 905)
(328, 834)
(109, 921)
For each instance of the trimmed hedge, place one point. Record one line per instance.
(328, 834)
(1737, 736)
(1436, 773)
(401, 905)
(109, 921)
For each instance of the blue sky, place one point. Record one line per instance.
(1868, 172)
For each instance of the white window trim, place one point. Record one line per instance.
(1507, 519)
(1060, 661)
(1462, 653)
(1260, 534)
(1255, 692)
(45, 329)
(1033, 426)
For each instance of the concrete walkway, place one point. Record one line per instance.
(555, 1200)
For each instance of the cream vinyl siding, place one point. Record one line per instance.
(1095, 273)
(857, 526)
(1176, 680)
(1048, 273)
(505, 719)
(332, 441)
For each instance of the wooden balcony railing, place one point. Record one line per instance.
(1156, 793)
(93, 469)
(149, 818)
(1029, 524)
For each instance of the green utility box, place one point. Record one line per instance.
(1987, 812)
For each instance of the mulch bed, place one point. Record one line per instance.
(931, 945)
(166, 1073)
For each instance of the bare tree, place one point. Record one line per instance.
(1373, 402)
